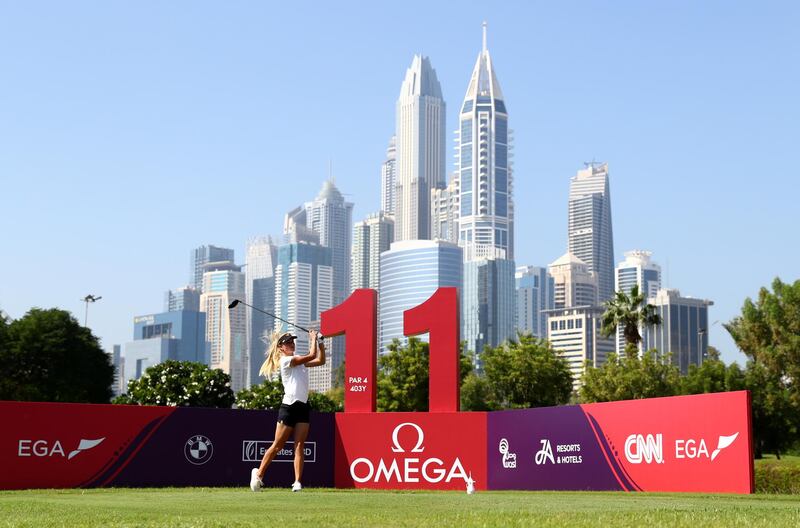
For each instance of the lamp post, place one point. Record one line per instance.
(700, 334)
(89, 299)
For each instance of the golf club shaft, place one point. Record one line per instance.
(276, 317)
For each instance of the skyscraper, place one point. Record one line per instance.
(420, 137)
(303, 290)
(115, 357)
(636, 270)
(389, 179)
(260, 260)
(331, 218)
(226, 330)
(488, 304)
(371, 237)
(185, 298)
(411, 271)
(444, 212)
(486, 218)
(683, 332)
(573, 284)
(202, 256)
(535, 293)
(591, 237)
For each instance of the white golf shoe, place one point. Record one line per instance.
(297, 486)
(255, 482)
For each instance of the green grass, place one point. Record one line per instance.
(203, 507)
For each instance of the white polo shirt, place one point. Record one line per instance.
(295, 381)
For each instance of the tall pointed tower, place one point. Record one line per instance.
(486, 218)
(420, 144)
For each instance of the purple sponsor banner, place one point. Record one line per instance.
(548, 448)
(219, 447)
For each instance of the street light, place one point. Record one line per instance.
(700, 333)
(89, 299)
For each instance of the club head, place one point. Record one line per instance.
(233, 304)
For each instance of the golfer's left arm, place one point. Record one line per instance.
(319, 350)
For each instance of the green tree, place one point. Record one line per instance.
(321, 402)
(266, 395)
(403, 376)
(476, 394)
(182, 384)
(629, 312)
(775, 417)
(768, 332)
(48, 356)
(709, 376)
(528, 373)
(336, 395)
(630, 378)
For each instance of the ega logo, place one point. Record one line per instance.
(44, 448)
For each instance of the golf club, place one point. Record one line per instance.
(236, 302)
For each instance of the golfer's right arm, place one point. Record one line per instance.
(319, 350)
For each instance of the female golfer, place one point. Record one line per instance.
(293, 413)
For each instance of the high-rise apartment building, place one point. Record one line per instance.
(486, 216)
(303, 290)
(573, 284)
(226, 330)
(636, 270)
(484, 170)
(683, 332)
(202, 256)
(420, 142)
(411, 271)
(371, 237)
(444, 212)
(591, 237)
(389, 179)
(259, 273)
(535, 293)
(575, 334)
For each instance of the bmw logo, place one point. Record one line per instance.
(198, 450)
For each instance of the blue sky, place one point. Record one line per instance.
(131, 132)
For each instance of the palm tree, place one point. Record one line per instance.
(628, 312)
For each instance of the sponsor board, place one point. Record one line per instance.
(410, 450)
(686, 443)
(57, 445)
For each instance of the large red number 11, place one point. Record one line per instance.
(356, 317)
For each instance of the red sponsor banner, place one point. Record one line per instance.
(698, 443)
(69, 445)
(410, 450)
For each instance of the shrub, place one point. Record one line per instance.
(181, 384)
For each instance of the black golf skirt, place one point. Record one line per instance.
(291, 415)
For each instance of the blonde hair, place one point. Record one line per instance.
(273, 361)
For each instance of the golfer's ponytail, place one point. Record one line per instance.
(273, 361)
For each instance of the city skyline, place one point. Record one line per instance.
(687, 186)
